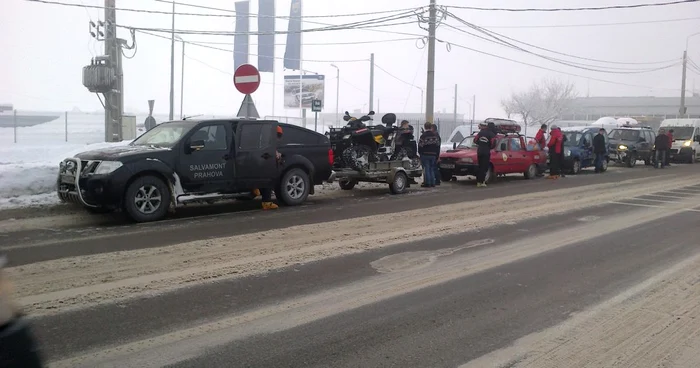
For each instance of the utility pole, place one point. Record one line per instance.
(371, 82)
(182, 79)
(430, 86)
(337, 93)
(114, 99)
(682, 109)
(473, 112)
(172, 66)
(454, 115)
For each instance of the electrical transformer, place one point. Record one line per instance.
(99, 76)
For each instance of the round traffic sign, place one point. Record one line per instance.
(246, 78)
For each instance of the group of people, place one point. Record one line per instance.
(663, 143)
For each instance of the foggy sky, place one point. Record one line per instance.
(46, 46)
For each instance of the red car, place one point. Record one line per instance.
(511, 155)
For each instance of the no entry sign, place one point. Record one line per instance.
(246, 78)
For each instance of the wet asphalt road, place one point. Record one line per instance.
(443, 325)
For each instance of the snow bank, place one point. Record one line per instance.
(28, 171)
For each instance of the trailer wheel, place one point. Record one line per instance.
(399, 184)
(347, 184)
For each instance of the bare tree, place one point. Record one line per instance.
(543, 103)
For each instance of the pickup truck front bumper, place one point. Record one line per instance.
(76, 185)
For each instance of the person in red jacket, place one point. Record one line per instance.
(556, 148)
(539, 137)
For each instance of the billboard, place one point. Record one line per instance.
(312, 88)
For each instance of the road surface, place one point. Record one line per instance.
(587, 271)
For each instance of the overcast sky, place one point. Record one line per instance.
(45, 47)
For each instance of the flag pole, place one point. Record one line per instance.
(301, 64)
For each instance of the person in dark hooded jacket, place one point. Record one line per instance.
(429, 151)
(485, 141)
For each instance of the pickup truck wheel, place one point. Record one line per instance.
(294, 187)
(691, 160)
(347, 184)
(147, 199)
(605, 165)
(399, 184)
(632, 160)
(531, 172)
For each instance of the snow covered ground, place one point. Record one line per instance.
(28, 169)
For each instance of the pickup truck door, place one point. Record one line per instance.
(207, 169)
(256, 146)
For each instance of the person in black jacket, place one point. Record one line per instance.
(485, 140)
(599, 149)
(438, 180)
(662, 145)
(429, 150)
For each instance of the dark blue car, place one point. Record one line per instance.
(578, 149)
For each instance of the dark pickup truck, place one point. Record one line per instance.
(187, 161)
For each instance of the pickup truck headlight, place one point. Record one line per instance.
(567, 152)
(107, 167)
(687, 143)
(622, 147)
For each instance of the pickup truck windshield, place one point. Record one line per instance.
(163, 135)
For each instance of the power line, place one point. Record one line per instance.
(233, 15)
(285, 17)
(553, 70)
(416, 11)
(594, 24)
(403, 81)
(197, 42)
(594, 8)
(231, 51)
(369, 23)
(589, 67)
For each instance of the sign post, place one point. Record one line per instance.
(246, 78)
(316, 106)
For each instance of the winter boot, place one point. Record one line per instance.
(269, 206)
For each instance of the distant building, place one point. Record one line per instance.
(647, 110)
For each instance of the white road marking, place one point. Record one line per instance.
(654, 200)
(637, 204)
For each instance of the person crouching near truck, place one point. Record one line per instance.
(556, 148)
(429, 150)
(266, 193)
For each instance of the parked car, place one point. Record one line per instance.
(686, 139)
(628, 144)
(187, 161)
(511, 155)
(578, 149)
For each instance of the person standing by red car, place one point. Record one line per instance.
(556, 151)
(540, 136)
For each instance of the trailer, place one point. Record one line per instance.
(398, 174)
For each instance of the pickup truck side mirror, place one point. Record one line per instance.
(454, 145)
(197, 145)
(697, 138)
(503, 147)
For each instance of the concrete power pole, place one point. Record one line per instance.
(172, 66)
(114, 103)
(430, 86)
(682, 109)
(371, 82)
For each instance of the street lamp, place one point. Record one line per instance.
(182, 76)
(337, 94)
